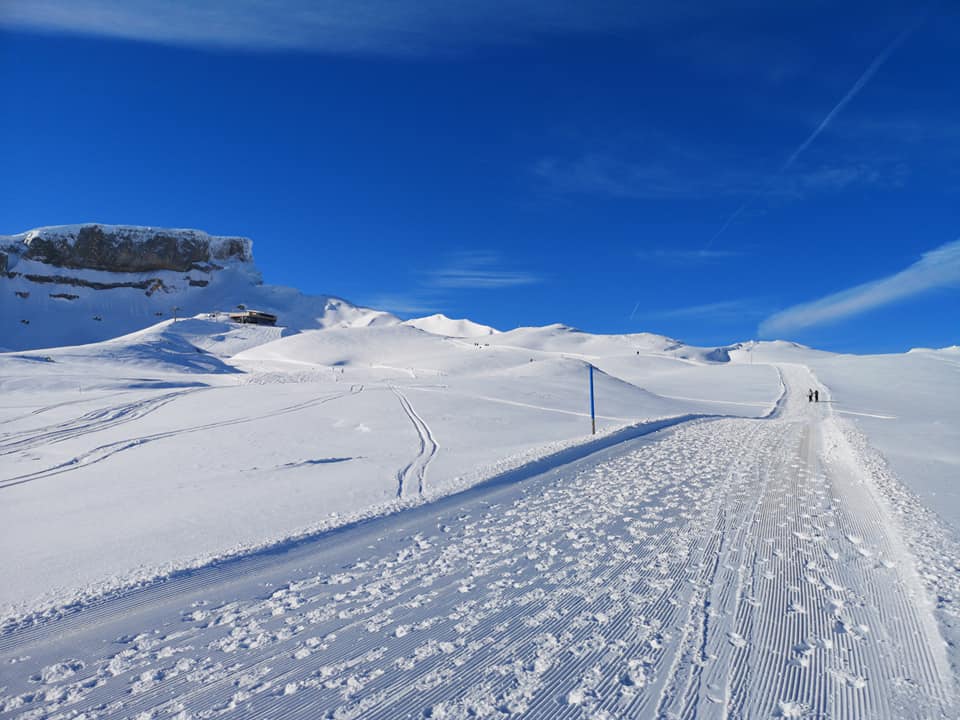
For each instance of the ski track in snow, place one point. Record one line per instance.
(722, 568)
(95, 397)
(94, 422)
(417, 468)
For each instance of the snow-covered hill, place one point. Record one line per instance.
(195, 443)
(440, 324)
(75, 284)
(559, 338)
(247, 416)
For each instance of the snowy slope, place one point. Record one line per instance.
(724, 567)
(43, 304)
(907, 404)
(273, 403)
(440, 324)
(721, 545)
(560, 338)
(228, 436)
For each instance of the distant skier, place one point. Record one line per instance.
(816, 396)
(810, 395)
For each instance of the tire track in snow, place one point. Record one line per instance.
(417, 468)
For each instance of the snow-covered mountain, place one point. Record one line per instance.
(559, 338)
(440, 324)
(74, 284)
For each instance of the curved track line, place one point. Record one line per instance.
(417, 468)
(101, 453)
(47, 408)
(91, 422)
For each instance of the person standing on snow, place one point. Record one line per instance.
(810, 395)
(816, 396)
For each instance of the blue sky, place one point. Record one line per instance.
(711, 171)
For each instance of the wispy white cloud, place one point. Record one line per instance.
(478, 270)
(435, 290)
(392, 27)
(717, 311)
(679, 177)
(603, 174)
(672, 255)
(938, 268)
(403, 304)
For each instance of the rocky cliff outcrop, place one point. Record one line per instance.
(123, 249)
(75, 284)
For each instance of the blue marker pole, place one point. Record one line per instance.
(593, 415)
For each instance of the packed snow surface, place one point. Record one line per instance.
(908, 405)
(276, 432)
(205, 519)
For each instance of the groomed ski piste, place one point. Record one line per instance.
(390, 523)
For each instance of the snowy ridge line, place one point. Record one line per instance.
(16, 619)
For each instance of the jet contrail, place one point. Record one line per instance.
(850, 94)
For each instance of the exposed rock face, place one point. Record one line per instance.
(128, 249)
(150, 284)
(75, 284)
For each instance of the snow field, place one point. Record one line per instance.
(125, 460)
(724, 567)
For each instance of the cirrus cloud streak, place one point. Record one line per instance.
(378, 27)
(938, 268)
